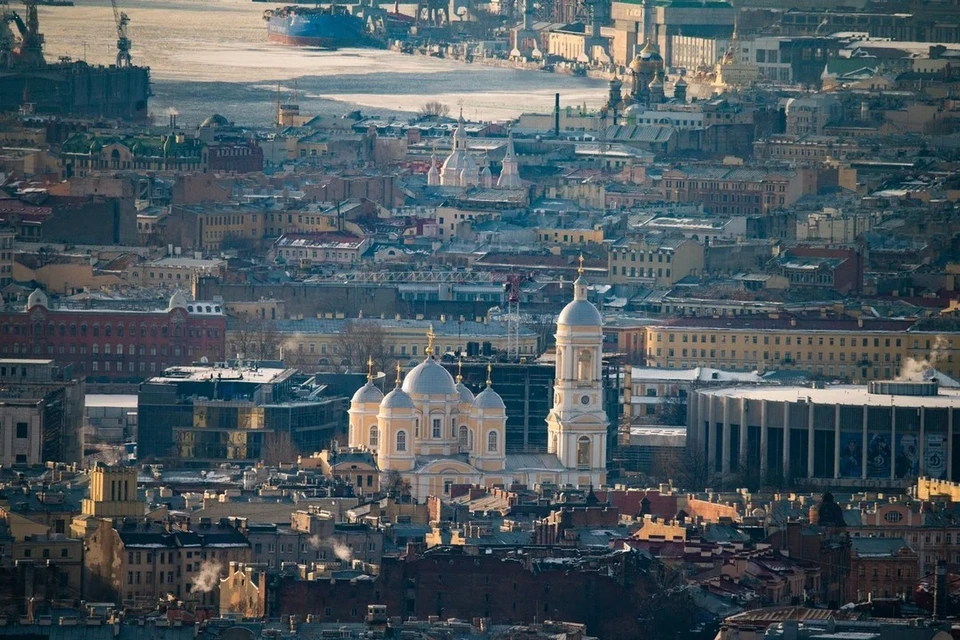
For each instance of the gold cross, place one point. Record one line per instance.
(370, 369)
(430, 337)
(580, 268)
(459, 370)
(398, 373)
(489, 374)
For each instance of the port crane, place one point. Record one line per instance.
(123, 42)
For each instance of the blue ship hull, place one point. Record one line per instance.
(330, 27)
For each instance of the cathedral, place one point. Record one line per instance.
(460, 169)
(436, 433)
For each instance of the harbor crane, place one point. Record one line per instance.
(123, 42)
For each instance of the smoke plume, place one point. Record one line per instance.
(914, 370)
(343, 552)
(315, 541)
(208, 578)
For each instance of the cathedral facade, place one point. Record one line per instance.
(436, 433)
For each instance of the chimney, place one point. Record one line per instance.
(556, 115)
(940, 591)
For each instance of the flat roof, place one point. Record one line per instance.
(259, 375)
(844, 395)
(125, 400)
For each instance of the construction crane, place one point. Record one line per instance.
(123, 42)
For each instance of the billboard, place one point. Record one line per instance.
(935, 456)
(878, 455)
(907, 463)
(851, 454)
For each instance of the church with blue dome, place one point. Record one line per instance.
(436, 433)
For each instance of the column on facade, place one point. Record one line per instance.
(712, 437)
(863, 446)
(810, 440)
(787, 471)
(893, 442)
(725, 443)
(763, 439)
(742, 456)
(836, 441)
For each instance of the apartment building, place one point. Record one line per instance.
(654, 259)
(733, 190)
(135, 562)
(856, 349)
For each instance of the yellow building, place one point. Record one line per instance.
(854, 349)
(113, 494)
(174, 272)
(569, 236)
(654, 261)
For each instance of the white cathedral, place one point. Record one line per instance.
(436, 433)
(460, 168)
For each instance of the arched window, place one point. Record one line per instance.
(106, 348)
(492, 442)
(374, 437)
(554, 442)
(583, 453)
(107, 330)
(401, 440)
(585, 366)
(94, 348)
(463, 437)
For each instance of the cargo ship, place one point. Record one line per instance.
(329, 27)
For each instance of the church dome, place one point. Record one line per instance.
(633, 110)
(489, 400)
(636, 65)
(397, 399)
(37, 299)
(650, 52)
(580, 313)
(429, 378)
(366, 394)
(466, 396)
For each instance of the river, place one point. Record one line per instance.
(212, 56)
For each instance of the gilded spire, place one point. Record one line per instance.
(398, 373)
(370, 369)
(459, 370)
(580, 268)
(489, 374)
(431, 336)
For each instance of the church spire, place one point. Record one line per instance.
(398, 374)
(489, 375)
(370, 369)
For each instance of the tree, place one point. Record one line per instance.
(394, 485)
(363, 340)
(433, 109)
(544, 325)
(688, 468)
(673, 411)
(278, 448)
(256, 338)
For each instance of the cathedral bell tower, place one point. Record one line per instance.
(577, 424)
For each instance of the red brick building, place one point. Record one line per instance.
(837, 268)
(234, 157)
(881, 568)
(115, 345)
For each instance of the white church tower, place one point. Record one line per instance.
(577, 424)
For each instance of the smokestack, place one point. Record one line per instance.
(940, 594)
(556, 115)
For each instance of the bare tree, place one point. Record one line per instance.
(256, 339)
(673, 411)
(688, 468)
(278, 448)
(433, 109)
(363, 340)
(396, 486)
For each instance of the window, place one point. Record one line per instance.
(374, 436)
(401, 441)
(583, 452)
(492, 442)
(437, 427)
(22, 430)
(463, 437)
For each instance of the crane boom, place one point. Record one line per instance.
(123, 42)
